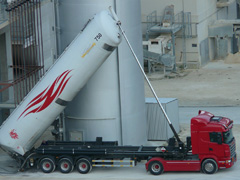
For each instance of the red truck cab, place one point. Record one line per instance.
(212, 138)
(211, 147)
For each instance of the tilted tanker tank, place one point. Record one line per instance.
(60, 84)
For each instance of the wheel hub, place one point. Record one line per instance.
(83, 166)
(156, 167)
(209, 167)
(65, 166)
(46, 166)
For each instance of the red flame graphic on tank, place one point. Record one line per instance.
(47, 96)
(13, 134)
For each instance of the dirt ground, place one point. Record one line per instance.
(216, 84)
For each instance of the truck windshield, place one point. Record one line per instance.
(228, 136)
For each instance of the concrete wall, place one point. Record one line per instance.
(5, 70)
(49, 33)
(207, 17)
(3, 67)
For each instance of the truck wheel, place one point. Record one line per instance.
(209, 166)
(83, 166)
(47, 165)
(65, 165)
(155, 167)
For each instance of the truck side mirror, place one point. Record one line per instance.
(219, 138)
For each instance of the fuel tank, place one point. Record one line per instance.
(60, 84)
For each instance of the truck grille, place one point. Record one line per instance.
(232, 147)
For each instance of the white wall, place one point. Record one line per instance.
(206, 15)
(192, 55)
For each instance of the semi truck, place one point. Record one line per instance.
(210, 147)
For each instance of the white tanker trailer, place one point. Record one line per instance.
(60, 84)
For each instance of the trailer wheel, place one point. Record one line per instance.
(65, 165)
(47, 165)
(155, 167)
(209, 166)
(83, 166)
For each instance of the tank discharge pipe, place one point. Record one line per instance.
(144, 74)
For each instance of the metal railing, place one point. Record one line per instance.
(152, 19)
(27, 44)
(179, 22)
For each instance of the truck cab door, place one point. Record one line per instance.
(215, 144)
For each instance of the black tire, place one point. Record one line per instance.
(83, 166)
(155, 168)
(47, 165)
(209, 166)
(65, 165)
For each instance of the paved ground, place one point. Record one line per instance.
(214, 88)
(129, 173)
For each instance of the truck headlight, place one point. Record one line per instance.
(228, 161)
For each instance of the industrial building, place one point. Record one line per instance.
(206, 30)
(170, 33)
